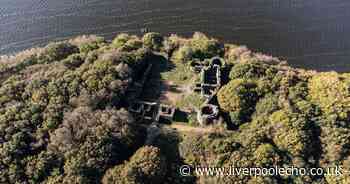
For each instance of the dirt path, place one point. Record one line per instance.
(190, 129)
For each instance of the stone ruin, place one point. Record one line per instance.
(143, 110)
(165, 113)
(210, 78)
(208, 87)
(207, 114)
(150, 112)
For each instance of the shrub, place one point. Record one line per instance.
(330, 91)
(252, 70)
(133, 44)
(266, 155)
(120, 40)
(146, 166)
(289, 133)
(267, 105)
(153, 41)
(57, 51)
(172, 42)
(238, 98)
(183, 54)
(233, 53)
(73, 61)
(203, 47)
(87, 43)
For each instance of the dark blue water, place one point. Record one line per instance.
(309, 33)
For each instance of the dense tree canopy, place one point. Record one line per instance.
(58, 113)
(63, 117)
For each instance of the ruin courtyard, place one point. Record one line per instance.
(180, 93)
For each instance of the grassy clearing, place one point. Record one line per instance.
(181, 75)
(184, 79)
(192, 101)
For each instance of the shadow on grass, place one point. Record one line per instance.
(168, 141)
(230, 125)
(154, 85)
(181, 116)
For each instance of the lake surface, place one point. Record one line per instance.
(308, 33)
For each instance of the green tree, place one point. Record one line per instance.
(153, 41)
(146, 166)
(238, 98)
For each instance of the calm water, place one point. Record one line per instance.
(309, 33)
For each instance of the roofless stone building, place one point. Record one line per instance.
(208, 87)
